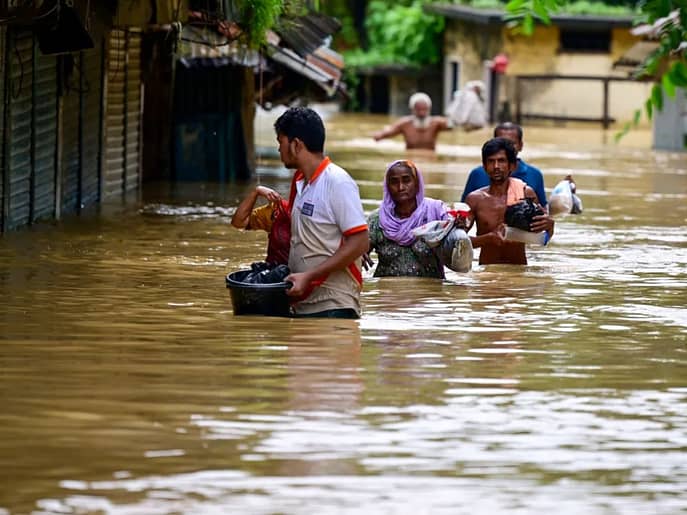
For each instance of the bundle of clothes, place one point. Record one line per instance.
(449, 238)
(262, 272)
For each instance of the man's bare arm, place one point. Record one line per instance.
(390, 130)
(443, 123)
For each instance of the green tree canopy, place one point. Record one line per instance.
(399, 34)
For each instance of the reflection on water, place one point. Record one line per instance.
(129, 387)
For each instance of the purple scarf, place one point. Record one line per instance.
(428, 209)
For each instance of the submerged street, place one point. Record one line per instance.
(128, 385)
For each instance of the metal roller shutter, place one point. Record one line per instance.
(92, 65)
(70, 144)
(3, 174)
(113, 180)
(44, 135)
(133, 111)
(19, 156)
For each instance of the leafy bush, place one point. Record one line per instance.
(399, 34)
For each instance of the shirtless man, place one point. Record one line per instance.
(532, 176)
(488, 205)
(420, 129)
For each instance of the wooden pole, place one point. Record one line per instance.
(606, 121)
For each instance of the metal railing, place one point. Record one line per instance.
(605, 119)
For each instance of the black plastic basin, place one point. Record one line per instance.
(258, 299)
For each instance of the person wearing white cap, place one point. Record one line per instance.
(420, 129)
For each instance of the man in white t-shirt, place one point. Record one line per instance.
(328, 226)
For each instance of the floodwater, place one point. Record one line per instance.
(128, 386)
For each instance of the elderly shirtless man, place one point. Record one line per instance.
(488, 205)
(420, 129)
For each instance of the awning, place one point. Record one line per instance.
(322, 65)
(635, 56)
(295, 57)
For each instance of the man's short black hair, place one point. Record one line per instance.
(508, 126)
(302, 123)
(495, 145)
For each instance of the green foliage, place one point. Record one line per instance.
(399, 34)
(600, 8)
(347, 37)
(609, 7)
(256, 17)
(521, 14)
(351, 79)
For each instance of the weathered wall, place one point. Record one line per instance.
(471, 44)
(539, 55)
(137, 13)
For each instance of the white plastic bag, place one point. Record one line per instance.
(432, 233)
(452, 243)
(532, 238)
(458, 242)
(560, 201)
(563, 200)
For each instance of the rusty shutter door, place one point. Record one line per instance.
(133, 111)
(92, 66)
(70, 141)
(113, 175)
(20, 43)
(3, 174)
(44, 134)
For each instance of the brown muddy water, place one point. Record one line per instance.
(128, 386)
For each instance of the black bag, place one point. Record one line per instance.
(520, 215)
(263, 273)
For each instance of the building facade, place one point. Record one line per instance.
(563, 72)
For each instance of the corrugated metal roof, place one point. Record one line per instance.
(198, 46)
(296, 49)
(305, 34)
(323, 65)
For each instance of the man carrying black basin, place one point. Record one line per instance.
(328, 228)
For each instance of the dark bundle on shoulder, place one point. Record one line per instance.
(520, 215)
(265, 273)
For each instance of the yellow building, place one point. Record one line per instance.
(562, 72)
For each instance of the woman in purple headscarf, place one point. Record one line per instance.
(403, 209)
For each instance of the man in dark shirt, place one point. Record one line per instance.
(530, 175)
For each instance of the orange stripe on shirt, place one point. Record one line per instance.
(355, 230)
(320, 168)
(355, 273)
